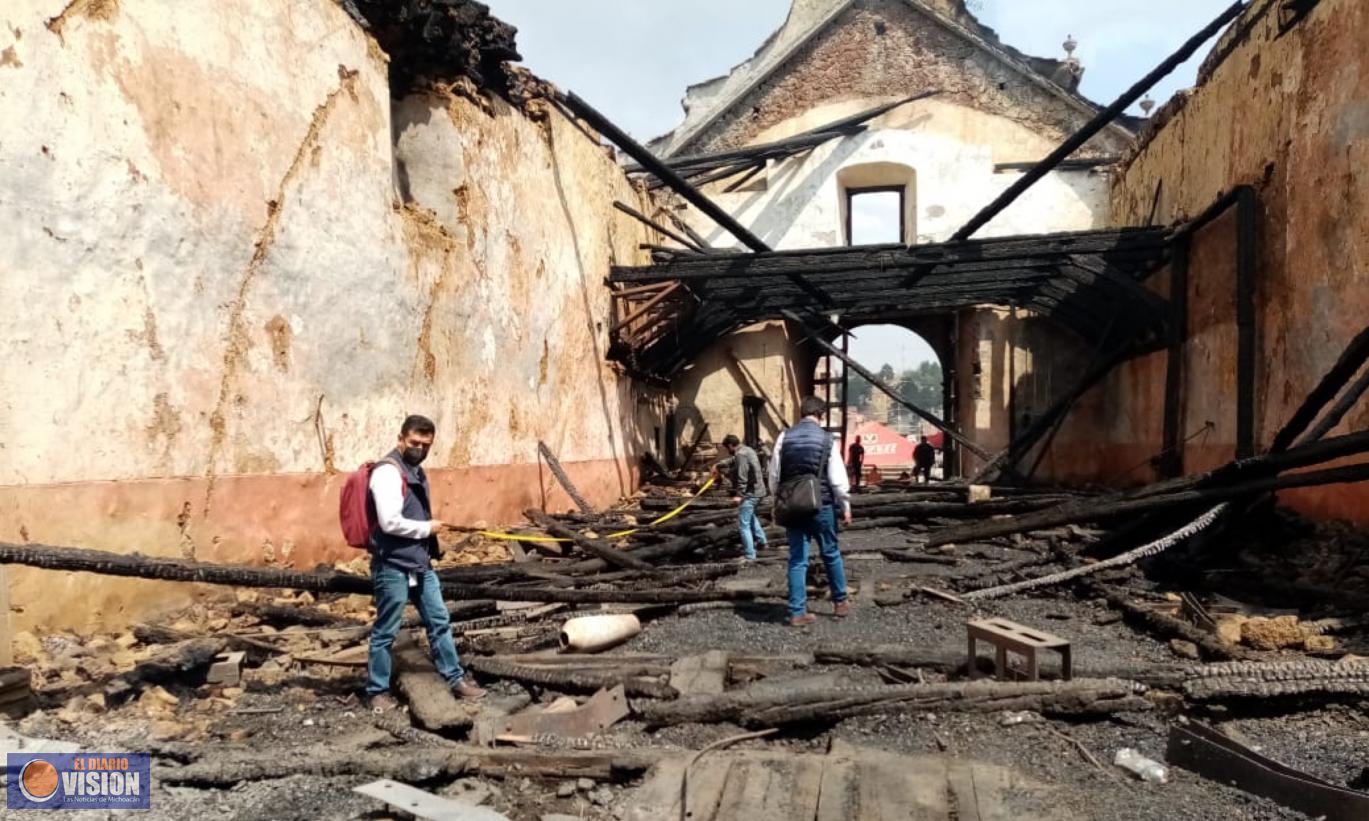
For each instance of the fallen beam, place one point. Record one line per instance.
(571, 680)
(560, 474)
(1217, 485)
(772, 706)
(232, 766)
(1169, 627)
(594, 547)
(136, 566)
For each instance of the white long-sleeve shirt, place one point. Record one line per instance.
(387, 488)
(836, 475)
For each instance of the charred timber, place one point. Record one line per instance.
(229, 766)
(1125, 248)
(594, 547)
(136, 566)
(1169, 627)
(572, 680)
(770, 707)
(1221, 484)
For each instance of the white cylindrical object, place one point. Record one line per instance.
(591, 634)
(1146, 769)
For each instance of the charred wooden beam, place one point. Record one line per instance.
(1347, 365)
(844, 127)
(1099, 122)
(1137, 247)
(1246, 351)
(770, 707)
(1172, 456)
(1198, 491)
(594, 547)
(655, 226)
(560, 474)
(136, 566)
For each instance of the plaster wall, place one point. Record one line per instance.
(760, 361)
(952, 151)
(1288, 114)
(232, 264)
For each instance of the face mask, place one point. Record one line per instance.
(415, 456)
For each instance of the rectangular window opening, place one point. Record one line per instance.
(874, 216)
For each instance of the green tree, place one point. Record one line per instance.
(923, 386)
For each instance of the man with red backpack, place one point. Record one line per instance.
(402, 543)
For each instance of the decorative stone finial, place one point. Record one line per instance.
(1147, 104)
(1070, 45)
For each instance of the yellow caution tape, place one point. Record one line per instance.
(622, 534)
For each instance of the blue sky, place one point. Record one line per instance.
(632, 59)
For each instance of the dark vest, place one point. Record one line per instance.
(805, 445)
(397, 551)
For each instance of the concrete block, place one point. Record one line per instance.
(226, 669)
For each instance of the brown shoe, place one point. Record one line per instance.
(841, 609)
(467, 691)
(802, 621)
(382, 703)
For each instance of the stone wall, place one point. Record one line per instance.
(232, 264)
(1289, 115)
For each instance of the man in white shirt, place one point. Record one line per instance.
(402, 546)
(808, 450)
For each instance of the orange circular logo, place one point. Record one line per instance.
(38, 780)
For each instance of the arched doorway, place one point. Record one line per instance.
(915, 357)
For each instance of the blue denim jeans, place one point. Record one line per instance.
(822, 527)
(392, 592)
(752, 531)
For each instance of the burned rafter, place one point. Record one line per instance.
(706, 168)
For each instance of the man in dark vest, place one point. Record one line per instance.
(807, 450)
(744, 469)
(402, 547)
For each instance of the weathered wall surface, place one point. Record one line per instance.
(1289, 115)
(951, 151)
(759, 361)
(231, 266)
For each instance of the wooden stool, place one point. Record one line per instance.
(1007, 635)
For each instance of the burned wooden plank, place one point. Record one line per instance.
(594, 547)
(99, 561)
(560, 474)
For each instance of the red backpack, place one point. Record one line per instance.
(355, 512)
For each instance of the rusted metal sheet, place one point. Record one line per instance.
(604, 709)
(1211, 754)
